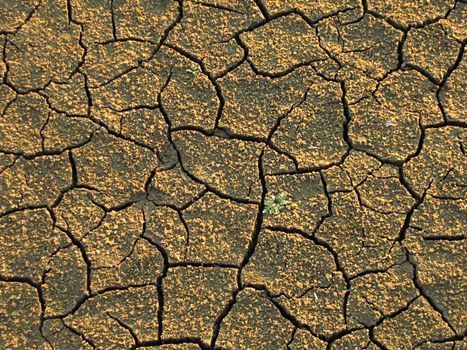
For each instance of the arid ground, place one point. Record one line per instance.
(215, 174)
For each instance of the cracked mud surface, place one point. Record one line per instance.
(184, 174)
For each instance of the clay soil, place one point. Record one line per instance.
(233, 174)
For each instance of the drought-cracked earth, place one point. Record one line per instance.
(214, 174)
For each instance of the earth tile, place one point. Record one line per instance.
(61, 132)
(441, 274)
(303, 339)
(60, 337)
(20, 319)
(314, 131)
(35, 182)
(216, 161)
(254, 323)
(142, 19)
(455, 23)
(124, 92)
(107, 61)
(451, 95)
(194, 297)
(117, 168)
(174, 187)
(22, 123)
(77, 213)
(313, 10)
(143, 265)
(113, 240)
(15, 14)
(431, 49)
(207, 31)
(165, 228)
(411, 13)
(101, 317)
(382, 121)
(440, 165)
(65, 281)
(27, 243)
(190, 98)
(254, 103)
(377, 295)
(69, 97)
(302, 276)
(363, 239)
(295, 43)
(95, 17)
(33, 59)
(220, 229)
(274, 162)
(414, 325)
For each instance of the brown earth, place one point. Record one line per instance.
(190, 174)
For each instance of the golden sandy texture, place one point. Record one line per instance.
(233, 175)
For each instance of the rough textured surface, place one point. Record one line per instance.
(233, 175)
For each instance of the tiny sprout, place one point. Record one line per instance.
(192, 71)
(273, 204)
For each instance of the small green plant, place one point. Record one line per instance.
(273, 204)
(194, 72)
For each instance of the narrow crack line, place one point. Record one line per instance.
(422, 71)
(425, 295)
(112, 16)
(408, 217)
(286, 114)
(80, 334)
(117, 134)
(388, 20)
(175, 341)
(376, 271)
(124, 325)
(218, 7)
(212, 79)
(41, 298)
(222, 132)
(76, 242)
(187, 263)
(292, 338)
(74, 169)
(167, 32)
(190, 175)
(116, 77)
(159, 281)
(456, 64)
(375, 341)
(445, 238)
(318, 242)
(40, 295)
(264, 11)
(285, 313)
(396, 313)
(258, 223)
(26, 21)
(48, 152)
(187, 230)
(41, 132)
(221, 316)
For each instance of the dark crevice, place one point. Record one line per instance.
(258, 224)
